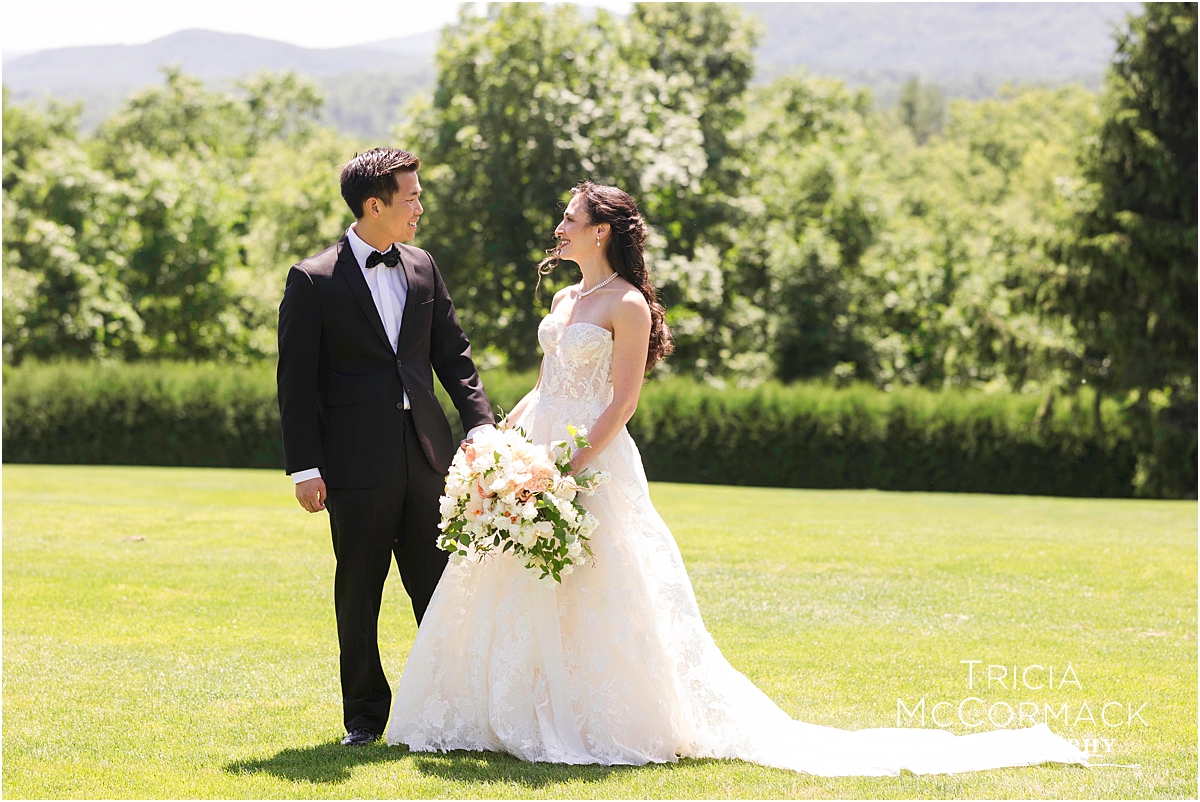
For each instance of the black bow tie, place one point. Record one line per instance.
(391, 258)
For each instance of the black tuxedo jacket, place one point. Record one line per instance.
(341, 388)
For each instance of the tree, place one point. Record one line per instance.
(812, 156)
(180, 118)
(66, 241)
(532, 100)
(962, 284)
(921, 109)
(1134, 267)
(705, 51)
(168, 233)
(1132, 283)
(295, 209)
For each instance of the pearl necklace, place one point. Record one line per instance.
(585, 293)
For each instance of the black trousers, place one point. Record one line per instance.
(370, 525)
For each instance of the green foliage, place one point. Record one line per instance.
(531, 100)
(961, 285)
(911, 439)
(369, 105)
(168, 233)
(921, 109)
(1131, 287)
(804, 435)
(181, 116)
(813, 159)
(281, 106)
(294, 210)
(701, 55)
(1032, 242)
(142, 414)
(66, 244)
(863, 255)
(1134, 270)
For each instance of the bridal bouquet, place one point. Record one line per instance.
(505, 493)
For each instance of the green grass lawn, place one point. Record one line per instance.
(169, 633)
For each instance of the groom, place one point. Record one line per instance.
(363, 326)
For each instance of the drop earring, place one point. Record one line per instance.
(597, 240)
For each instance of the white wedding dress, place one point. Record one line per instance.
(614, 666)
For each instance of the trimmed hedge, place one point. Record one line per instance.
(142, 414)
(206, 414)
(785, 436)
(859, 437)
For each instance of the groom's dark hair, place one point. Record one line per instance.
(372, 175)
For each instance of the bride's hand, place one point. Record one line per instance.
(581, 458)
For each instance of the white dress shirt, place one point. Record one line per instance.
(389, 290)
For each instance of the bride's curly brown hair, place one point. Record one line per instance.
(625, 253)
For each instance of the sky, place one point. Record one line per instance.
(28, 25)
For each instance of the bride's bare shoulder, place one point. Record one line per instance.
(631, 309)
(558, 296)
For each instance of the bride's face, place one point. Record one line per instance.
(575, 234)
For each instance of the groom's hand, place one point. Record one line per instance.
(311, 494)
(474, 431)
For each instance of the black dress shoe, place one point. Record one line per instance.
(360, 737)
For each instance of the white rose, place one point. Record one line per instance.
(566, 488)
(527, 536)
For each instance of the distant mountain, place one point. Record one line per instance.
(206, 54)
(366, 84)
(421, 44)
(970, 49)
(1018, 39)
(13, 55)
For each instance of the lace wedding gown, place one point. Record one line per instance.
(615, 665)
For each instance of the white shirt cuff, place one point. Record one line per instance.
(304, 476)
(482, 427)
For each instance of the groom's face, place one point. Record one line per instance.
(399, 218)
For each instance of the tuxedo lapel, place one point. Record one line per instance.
(420, 286)
(347, 265)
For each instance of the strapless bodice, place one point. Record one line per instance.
(578, 361)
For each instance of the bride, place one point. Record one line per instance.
(615, 666)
